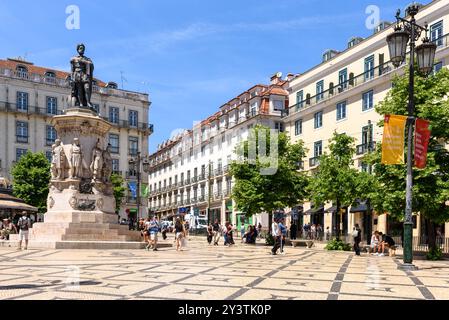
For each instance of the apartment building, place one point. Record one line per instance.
(190, 172)
(340, 95)
(31, 95)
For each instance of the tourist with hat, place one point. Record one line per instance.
(24, 225)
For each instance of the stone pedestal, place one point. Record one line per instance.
(81, 209)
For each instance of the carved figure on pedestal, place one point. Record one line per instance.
(57, 162)
(76, 159)
(97, 161)
(81, 79)
(107, 164)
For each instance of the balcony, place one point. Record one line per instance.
(218, 196)
(226, 169)
(314, 162)
(202, 177)
(219, 172)
(26, 109)
(21, 139)
(364, 148)
(227, 193)
(202, 199)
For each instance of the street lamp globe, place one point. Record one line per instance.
(146, 165)
(397, 45)
(425, 54)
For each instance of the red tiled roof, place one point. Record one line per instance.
(32, 69)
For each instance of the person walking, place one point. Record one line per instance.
(153, 231)
(217, 229)
(293, 231)
(24, 225)
(242, 232)
(283, 233)
(275, 232)
(210, 234)
(259, 230)
(179, 234)
(357, 235)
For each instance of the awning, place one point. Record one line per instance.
(12, 205)
(314, 211)
(361, 207)
(333, 209)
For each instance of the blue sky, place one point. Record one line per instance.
(191, 56)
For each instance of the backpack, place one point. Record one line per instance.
(24, 224)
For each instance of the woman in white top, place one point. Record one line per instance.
(374, 241)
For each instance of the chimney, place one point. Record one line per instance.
(290, 76)
(276, 78)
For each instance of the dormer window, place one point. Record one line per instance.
(50, 77)
(112, 85)
(22, 72)
(329, 54)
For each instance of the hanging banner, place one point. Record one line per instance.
(393, 140)
(422, 137)
(133, 189)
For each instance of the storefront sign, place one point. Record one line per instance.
(422, 137)
(393, 140)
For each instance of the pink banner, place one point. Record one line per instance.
(422, 137)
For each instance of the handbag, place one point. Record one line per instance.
(355, 233)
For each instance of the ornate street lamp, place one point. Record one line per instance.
(397, 44)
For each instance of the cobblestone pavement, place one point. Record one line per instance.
(203, 272)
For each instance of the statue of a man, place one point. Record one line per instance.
(76, 159)
(97, 161)
(81, 79)
(107, 164)
(57, 162)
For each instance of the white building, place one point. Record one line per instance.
(30, 96)
(189, 173)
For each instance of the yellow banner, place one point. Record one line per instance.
(393, 140)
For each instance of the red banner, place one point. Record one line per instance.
(422, 137)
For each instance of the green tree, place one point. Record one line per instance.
(254, 190)
(335, 179)
(430, 185)
(118, 184)
(31, 179)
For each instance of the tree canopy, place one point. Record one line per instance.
(31, 178)
(256, 191)
(118, 184)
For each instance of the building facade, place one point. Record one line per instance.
(190, 173)
(30, 96)
(340, 95)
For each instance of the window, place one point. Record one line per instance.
(22, 101)
(278, 105)
(22, 131)
(20, 153)
(22, 72)
(133, 146)
(436, 33)
(49, 155)
(299, 100)
(437, 67)
(50, 135)
(318, 149)
(369, 68)
(279, 126)
(367, 135)
(318, 119)
(298, 127)
(203, 151)
(50, 77)
(133, 118)
(367, 100)
(342, 79)
(341, 110)
(52, 105)
(253, 111)
(113, 115)
(115, 165)
(319, 90)
(114, 141)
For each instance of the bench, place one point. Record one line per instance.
(388, 250)
(302, 243)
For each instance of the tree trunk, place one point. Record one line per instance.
(337, 212)
(431, 234)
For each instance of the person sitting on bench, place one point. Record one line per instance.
(374, 246)
(387, 241)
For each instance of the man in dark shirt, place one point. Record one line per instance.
(387, 241)
(216, 232)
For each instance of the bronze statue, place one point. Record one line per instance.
(76, 159)
(81, 79)
(97, 161)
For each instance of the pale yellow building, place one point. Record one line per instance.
(340, 95)
(30, 96)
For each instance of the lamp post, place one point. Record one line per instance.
(410, 31)
(136, 164)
